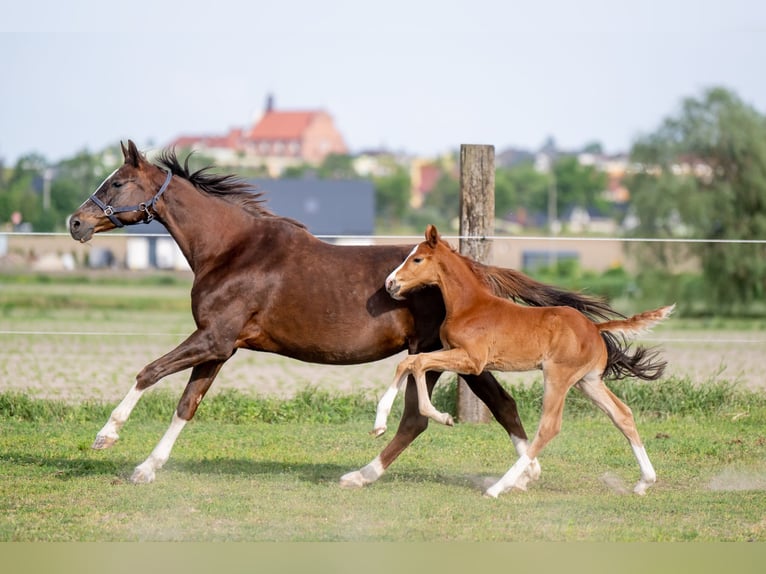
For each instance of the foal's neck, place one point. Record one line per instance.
(459, 285)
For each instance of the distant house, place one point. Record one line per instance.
(327, 207)
(277, 140)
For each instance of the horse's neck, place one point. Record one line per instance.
(460, 286)
(193, 219)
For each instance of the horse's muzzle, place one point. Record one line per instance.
(393, 289)
(79, 230)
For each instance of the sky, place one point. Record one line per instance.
(421, 77)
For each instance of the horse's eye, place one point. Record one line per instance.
(116, 184)
(418, 260)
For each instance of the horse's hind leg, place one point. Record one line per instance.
(622, 417)
(202, 377)
(410, 426)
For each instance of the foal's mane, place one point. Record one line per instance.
(228, 187)
(509, 283)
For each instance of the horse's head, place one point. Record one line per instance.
(125, 197)
(420, 268)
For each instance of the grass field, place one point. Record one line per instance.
(261, 460)
(250, 480)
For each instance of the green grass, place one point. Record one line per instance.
(234, 477)
(266, 469)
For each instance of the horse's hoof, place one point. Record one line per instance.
(103, 442)
(142, 476)
(449, 421)
(352, 480)
(376, 432)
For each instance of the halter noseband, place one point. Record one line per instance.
(110, 211)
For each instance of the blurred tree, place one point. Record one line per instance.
(521, 186)
(579, 186)
(337, 166)
(442, 203)
(704, 175)
(392, 193)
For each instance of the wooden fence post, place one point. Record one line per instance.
(477, 222)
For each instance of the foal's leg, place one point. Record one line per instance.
(594, 388)
(456, 360)
(555, 388)
(197, 348)
(425, 406)
(410, 426)
(503, 408)
(202, 377)
(387, 400)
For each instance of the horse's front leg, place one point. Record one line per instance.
(194, 350)
(201, 378)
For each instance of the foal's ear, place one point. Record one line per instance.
(432, 235)
(131, 153)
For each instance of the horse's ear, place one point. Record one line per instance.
(131, 153)
(432, 235)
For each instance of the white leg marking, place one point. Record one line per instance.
(510, 478)
(108, 435)
(533, 470)
(364, 476)
(144, 472)
(384, 408)
(648, 476)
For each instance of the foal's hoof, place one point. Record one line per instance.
(142, 476)
(352, 480)
(376, 432)
(449, 421)
(103, 442)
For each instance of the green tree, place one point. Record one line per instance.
(704, 175)
(338, 166)
(441, 206)
(521, 186)
(578, 185)
(392, 193)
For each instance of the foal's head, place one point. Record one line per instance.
(420, 268)
(125, 197)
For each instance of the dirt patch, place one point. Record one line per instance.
(103, 368)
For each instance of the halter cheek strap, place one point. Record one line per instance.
(146, 208)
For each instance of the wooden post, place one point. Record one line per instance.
(477, 222)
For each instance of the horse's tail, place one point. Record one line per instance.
(520, 287)
(637, 324)
(642, 363)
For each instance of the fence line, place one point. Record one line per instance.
(415, 238)
(446, 236)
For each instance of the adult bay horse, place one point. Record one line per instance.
(482, 331)
(263, 282)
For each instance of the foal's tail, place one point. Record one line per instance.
(642, 363)
(516, 285)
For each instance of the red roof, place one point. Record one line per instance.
(282, 125)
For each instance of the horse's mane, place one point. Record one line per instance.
(225, 186)
(510, 283)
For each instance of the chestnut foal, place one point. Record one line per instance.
(484, 332)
